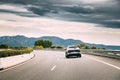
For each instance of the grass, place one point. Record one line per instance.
(13, 52)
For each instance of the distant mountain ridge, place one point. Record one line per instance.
(25, 41)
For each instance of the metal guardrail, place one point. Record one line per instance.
(105, 53)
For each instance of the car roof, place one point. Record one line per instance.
(71, 46)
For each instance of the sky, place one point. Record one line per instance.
(92, 21)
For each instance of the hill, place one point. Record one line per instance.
(25, 41)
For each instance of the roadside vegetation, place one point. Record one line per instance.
(85, 46)
(12, 51)
(57, 47)
(46, 44)
(6, 50)
(43, 44)
(40, 44)
(3, 46)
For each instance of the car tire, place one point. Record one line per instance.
(79, 56)
(67, 56)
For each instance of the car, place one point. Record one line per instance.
(72, 51)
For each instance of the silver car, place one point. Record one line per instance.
(72, 51)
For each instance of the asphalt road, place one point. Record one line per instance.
(52, 65)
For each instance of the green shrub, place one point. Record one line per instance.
(44, 43)
(59, 47)
(38, 47)
(53, 47)
(3, 46)
(7, 53)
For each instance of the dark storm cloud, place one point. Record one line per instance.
(78, 9)
(26, 14)
(103, 14)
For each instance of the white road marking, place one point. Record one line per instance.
(53, 68)
(105, 63)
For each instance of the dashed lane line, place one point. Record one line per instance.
(53, 67)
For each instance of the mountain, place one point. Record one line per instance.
(60, 41)
(25, 41)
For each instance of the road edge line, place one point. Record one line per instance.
(101, 61)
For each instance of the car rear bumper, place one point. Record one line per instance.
(73, 54)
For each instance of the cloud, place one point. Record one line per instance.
(16, 9)
(97, 12)
(91, 11)
(94, 1)
(39, 26)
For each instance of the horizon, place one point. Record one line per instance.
(60, 38)
(91, 21)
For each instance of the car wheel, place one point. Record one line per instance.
(67, 56)
(79, 56)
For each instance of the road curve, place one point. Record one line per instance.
(52, 65)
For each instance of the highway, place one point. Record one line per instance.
(52, 65)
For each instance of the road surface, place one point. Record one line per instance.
(52, 65)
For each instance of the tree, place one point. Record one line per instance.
(83, 46)
(44, 43)
(93, 47)
(3, 46)
(86, 47)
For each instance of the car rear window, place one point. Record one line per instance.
(72, 47)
